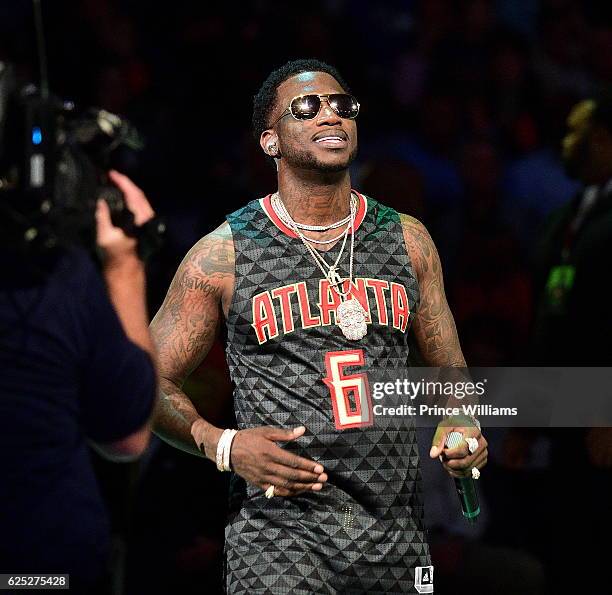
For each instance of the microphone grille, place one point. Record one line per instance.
(454, 439)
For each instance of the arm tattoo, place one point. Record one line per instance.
(188, 320)
(203, 285)
(434, 325)
(219, 261)
(186, 325)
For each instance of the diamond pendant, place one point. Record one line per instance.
(351, 318)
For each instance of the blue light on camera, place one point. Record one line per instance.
(36, 135)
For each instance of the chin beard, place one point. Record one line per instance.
(304, 160)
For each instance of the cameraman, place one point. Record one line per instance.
(73, 369)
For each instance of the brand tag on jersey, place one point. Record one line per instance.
(423, 579)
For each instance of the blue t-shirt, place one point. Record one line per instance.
(67, 373)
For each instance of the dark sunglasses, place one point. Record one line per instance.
(307, 107)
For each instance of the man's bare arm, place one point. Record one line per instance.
(434, 326)
(184, 330)
(437, 338)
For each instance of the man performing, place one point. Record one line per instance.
(317, 284)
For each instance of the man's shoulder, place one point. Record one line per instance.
(208, 268)
(412, 226)
(246, 211)
(218, 236)
(419, 244)
(382, 214)
(382, 211)
(221, 233)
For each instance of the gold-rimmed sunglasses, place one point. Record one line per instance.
(307, 107)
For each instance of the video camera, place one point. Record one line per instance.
(53, 168)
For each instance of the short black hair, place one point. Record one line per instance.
(263, 102)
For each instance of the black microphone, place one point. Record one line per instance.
(466, 486)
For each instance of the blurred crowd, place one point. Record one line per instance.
(463, 107)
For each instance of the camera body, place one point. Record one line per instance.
(53, 168)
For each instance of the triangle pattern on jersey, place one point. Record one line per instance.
(363, 533)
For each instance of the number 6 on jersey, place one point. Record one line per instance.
(350, 394)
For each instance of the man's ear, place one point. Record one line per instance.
(269, 143)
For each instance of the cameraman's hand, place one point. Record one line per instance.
(115, 244)
(123, 270)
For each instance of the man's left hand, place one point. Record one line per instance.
(458, 461)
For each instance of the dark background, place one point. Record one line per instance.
(463, 108)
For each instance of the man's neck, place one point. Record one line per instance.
(314, 198)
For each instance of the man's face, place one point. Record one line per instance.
(575, 144)
(302, 143)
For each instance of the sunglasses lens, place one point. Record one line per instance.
(305, 107)
(344, 105)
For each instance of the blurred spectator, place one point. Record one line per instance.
(570, 279)
(571, 287)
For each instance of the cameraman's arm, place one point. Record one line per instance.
(125, 280)
(118, 380)
(124, 272)
(124, 275)
(126, 450)
(184, 330)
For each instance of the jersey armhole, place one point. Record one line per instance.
(230, 308)
(411, 266)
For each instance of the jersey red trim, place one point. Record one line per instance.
(362, 208)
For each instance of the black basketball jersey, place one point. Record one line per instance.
(292, 365)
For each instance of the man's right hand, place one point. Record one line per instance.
(256, 457)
